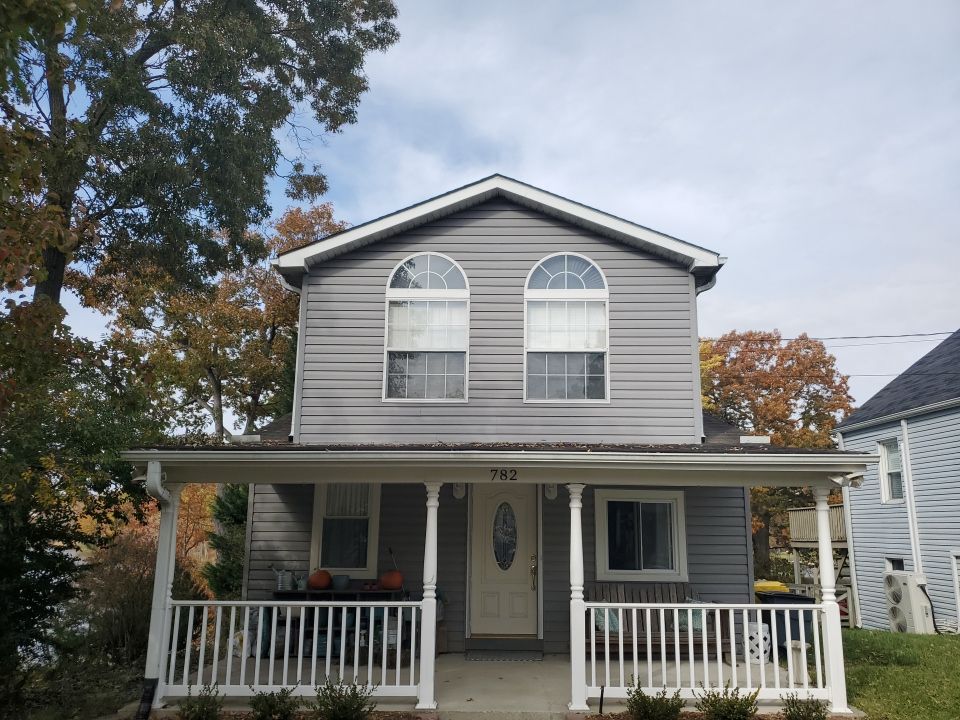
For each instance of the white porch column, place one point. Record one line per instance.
(578, 610)
(428, 626)
(832, 639)
(169, 499)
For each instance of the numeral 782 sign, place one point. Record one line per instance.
(503, 475)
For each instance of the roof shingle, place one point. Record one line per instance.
(932, 379)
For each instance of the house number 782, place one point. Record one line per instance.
(503, 474)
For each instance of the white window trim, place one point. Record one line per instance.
(885, 497)
(676, 497)
(369, 571)
(407, 294)
(561, 295)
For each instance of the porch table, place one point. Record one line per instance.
(330, 595)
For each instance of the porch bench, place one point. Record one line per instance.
(668, 593)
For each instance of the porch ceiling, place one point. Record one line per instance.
(302, 464)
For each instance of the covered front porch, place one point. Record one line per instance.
(611, 641)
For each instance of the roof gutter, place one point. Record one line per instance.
(843, 469)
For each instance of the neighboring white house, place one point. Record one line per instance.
(907, 515)
(498, 389)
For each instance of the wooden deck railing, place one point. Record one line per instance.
(803, 525)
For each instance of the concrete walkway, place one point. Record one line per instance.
(509, 690)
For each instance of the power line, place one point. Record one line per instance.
(930, 335)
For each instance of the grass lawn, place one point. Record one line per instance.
(903, 677)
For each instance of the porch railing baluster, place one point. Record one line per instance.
(214, 669)
(189, 641)
(301, 625)
(228, 672)
(775, 648)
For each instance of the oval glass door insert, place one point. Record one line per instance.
(504, 536)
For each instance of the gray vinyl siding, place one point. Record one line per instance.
(280, 535)
(880, 531)
(719, 553)
(935, 461)
(651, 362)
(718, 548)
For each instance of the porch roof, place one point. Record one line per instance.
(559, 463)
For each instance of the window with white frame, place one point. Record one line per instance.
(640, 535)
(566, 332)
(891, 471)
(427, 334)
(346, 527)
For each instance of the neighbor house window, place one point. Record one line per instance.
(425, 357)
(346, 524)
(895, 564)
(566, 331)
(640, 535)
(891, 471)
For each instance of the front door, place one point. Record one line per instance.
(503, 560)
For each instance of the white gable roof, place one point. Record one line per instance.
(703, 263)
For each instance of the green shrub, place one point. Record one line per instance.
(727, 704)
(280, 705)
(205, 706)
(797, 708)
(653, 707)
(343, 701)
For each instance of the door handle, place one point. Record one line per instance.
(533, 572)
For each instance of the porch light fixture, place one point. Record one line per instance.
(459, 491)
(550, 491)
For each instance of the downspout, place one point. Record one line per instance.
(914, 526)
(294, 434)
(911, 506)
(848, 523)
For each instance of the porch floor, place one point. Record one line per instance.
(511, 689)
(506, 687)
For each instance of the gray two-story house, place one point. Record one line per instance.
(907, 517)
(498, 396)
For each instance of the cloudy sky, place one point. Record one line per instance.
(816, 144)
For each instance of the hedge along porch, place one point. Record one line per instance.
(608, 638)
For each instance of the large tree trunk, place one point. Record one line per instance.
(62, 186)
(51, 287)
(761, 548)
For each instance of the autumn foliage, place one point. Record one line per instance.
(225, 345)
(787, 389)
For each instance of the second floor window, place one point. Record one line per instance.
(566, 331)
(427, 330)
(891, 471)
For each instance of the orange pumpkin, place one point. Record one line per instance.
(392, 580)
(319, 580)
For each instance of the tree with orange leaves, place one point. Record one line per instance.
(790, 390)
(227, 345)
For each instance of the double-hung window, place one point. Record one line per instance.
(640, 535)
(891, 471)
(425, 355)
(566, 332)
(346, 528)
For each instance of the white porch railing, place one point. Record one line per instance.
(688, 647)
(246, 647)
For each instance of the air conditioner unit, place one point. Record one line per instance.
(908, 608)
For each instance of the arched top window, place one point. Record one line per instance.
(425, 350)
(566, 272)
(429, 271)
(566, 331)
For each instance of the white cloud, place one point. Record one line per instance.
(813, 143)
